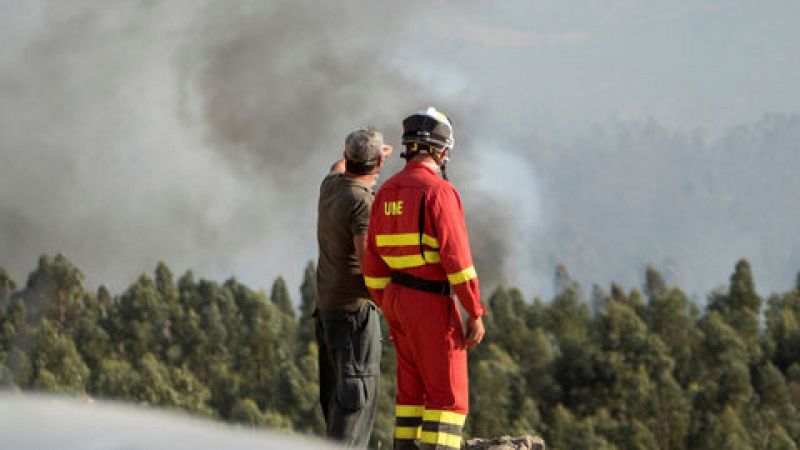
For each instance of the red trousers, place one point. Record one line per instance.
(432, 387)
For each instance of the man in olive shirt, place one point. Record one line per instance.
(347, 323)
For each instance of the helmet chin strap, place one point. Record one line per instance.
(440, 161)
(442, 164)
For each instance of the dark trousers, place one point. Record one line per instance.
(349, 372)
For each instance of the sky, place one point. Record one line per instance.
(197, 132)
(686, 64)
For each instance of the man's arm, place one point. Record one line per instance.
(376, 272)
(456, 259)
(375, 278)
(360, 244)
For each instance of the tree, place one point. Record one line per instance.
(775, 408)
(569, 318)
(740, 307)
(140, 318)
(170, 387)
(246, 411)
(567, 432)
(7, 286)
(577, 368)
(507, 410)
(54, 291)
(308, 302)
(672, 317)
(538, 365)
(779, 439)
(56, 362)
(782, 340)
(18, 369)
(165, 284)
(726, 431)
(507, 316)
(724, 385)
(797, 283)
(90, 337)
(563, 281)
(626, 375)
(115, 379)
(279, 296)
(639, 389)
(654, 284)
(672, 412)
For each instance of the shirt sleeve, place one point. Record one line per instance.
(376, 272)
(359, 217)
(454, 252)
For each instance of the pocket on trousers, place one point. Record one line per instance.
(337, 332)
(351, 393)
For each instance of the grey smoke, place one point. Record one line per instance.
(198, 132)
(192, 132)
(638, 194)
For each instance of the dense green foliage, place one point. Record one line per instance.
(620, 370)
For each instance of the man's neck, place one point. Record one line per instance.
(428, 161)
(366, 180)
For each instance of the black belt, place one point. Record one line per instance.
(421, 284)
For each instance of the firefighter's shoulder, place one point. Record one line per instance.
(444, 190)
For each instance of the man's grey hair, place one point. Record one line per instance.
(363, 145)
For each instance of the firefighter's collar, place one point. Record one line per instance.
(417, 164)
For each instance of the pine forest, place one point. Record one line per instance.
(618, 368)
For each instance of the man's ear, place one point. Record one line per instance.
(381, 158)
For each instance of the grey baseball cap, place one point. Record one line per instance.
(363, 146)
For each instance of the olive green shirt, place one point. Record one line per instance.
(343, 212)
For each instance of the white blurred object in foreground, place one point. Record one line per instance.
(36, 421)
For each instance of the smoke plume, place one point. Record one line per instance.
(198, 133)
(195, 133)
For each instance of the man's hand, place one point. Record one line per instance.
(475, 331)
(338, 166)
(387, 151)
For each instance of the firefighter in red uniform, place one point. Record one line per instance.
(417, 256)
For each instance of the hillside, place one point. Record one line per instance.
(614, 370)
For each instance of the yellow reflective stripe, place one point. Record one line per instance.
(406, 432)
(440, 438)
(376, 282)
(404, 262)
(462, 275)
(435, 415)
(401, 239)
(409, 410)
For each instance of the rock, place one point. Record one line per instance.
(505, 443)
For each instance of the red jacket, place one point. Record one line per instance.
(393, 241)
